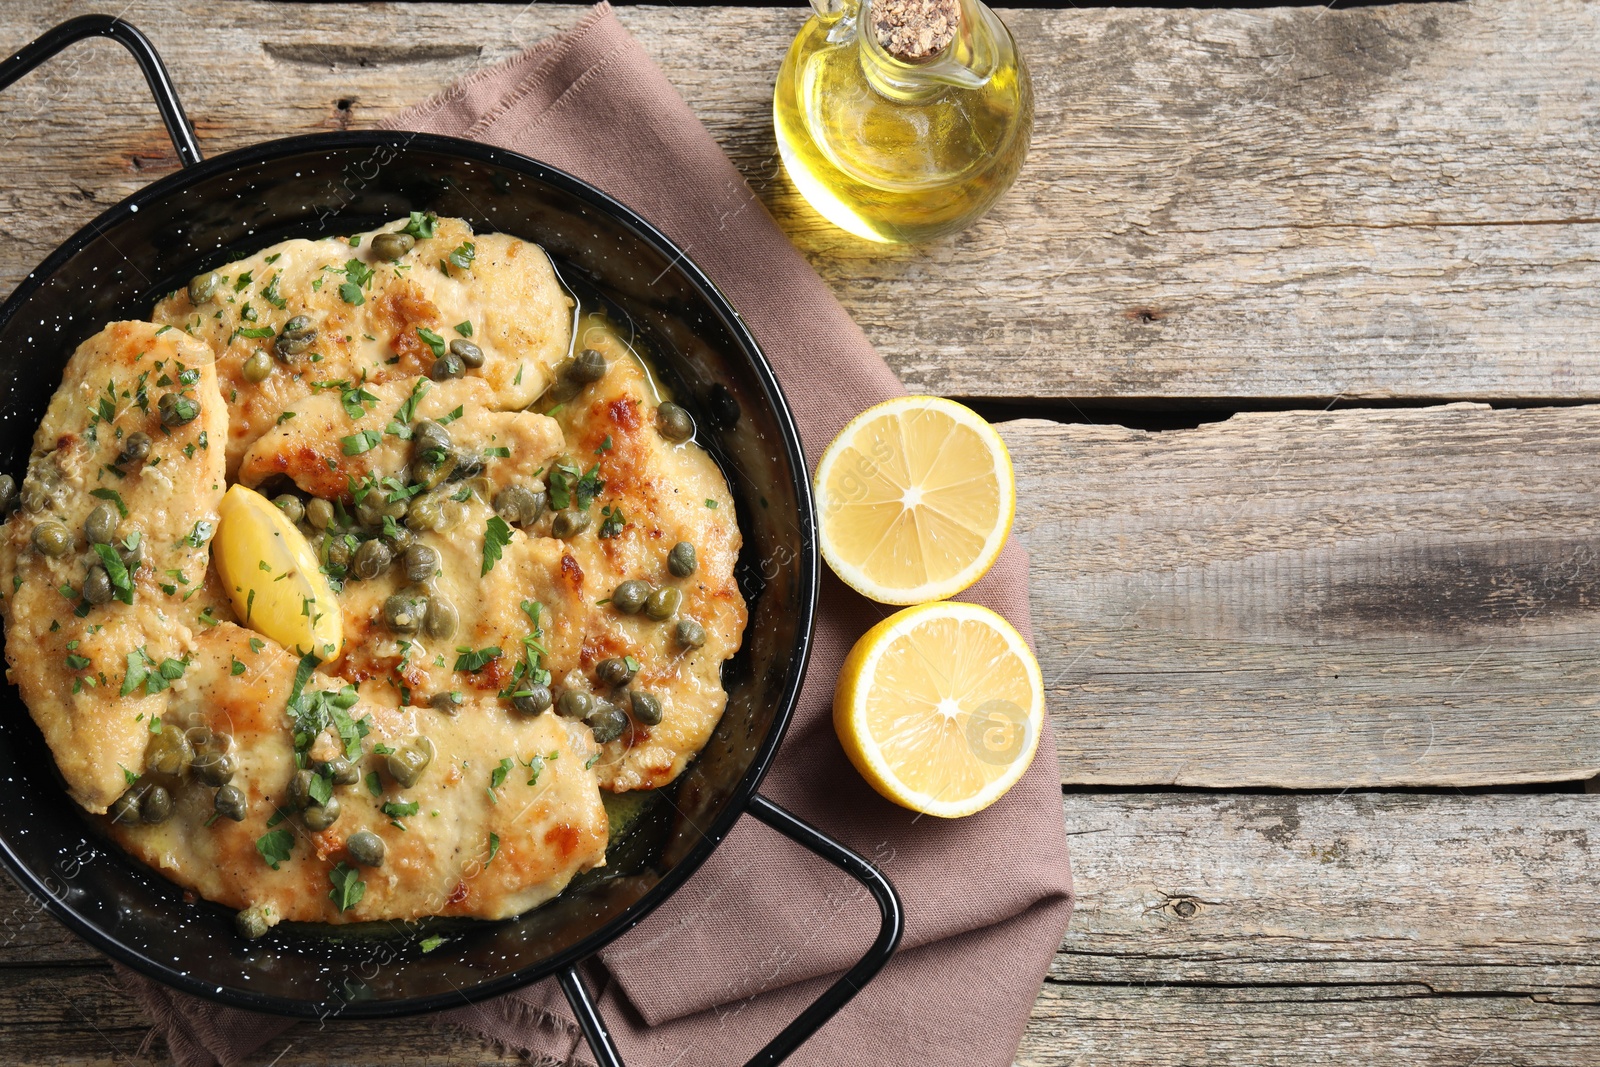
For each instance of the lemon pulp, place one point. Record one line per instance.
(273, 577)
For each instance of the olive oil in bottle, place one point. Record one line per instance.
(903, 120)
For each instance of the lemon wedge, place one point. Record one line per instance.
(273, 576)
(915, 498)
(940, 707)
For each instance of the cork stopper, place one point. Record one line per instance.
(914, 31)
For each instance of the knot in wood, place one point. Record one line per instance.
(1185, 908)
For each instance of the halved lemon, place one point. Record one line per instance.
(940, 707)
(915, 498)
(273, 576)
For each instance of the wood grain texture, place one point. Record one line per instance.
(1319, 600)
(1378, 202)
(1326, 930)
(1227, 930)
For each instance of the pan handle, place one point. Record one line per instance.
(125, 34)
(833, 998)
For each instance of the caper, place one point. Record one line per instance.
(52, 538)
(680, 561)
(428, 437)
(177, 409)
(586, 367)
(574, 703)
(405, 612)
(629, 597)
(372, 559)
(468, 465)
(321, 816)
(607, 721)
(663, 604)
(614, 671)
(342, 771)
(203, 287)
(466, 352)
(426, 514)
(291, 506)
(97, 585)
(255, 921)
(569, 523)
(43, 482)
(392, 246)
(258, 368)
(230, 803)
(135, 449)
(125, 809)
(446, 367)
(200, 737)
(519, 505)
(131, 554)
(101, 525)
(319, 513)
(673, 422)
(407, 762)
(532, 699)
(300, 789)
(296, 336)
(369, 510)
(168, 753)
(337, 552)
(646, 707)
(156, 805)
(213, 767)
(366, 848)
(442, 620)
(689, 633)
(446, 701)
(432, 468)
(421, 563)
(8, 494)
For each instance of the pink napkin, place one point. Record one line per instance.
(763, 926)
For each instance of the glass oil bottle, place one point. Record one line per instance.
(903, 120)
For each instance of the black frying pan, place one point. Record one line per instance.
(216, 210)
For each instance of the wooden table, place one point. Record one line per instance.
(1294, 310)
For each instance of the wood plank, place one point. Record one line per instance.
(1211, 929)
(1235, 205)
(1326, 930)
(1319, 600)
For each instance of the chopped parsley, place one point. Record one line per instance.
(433, 341)
(614, 521)
(496, 535)
(275, 846)
(374, 784)
(203, 529)
(494, 847)
(421, 225)
(348, 888)
(464, 328)
(475, 660)
(238, 667)
(359, 442)
(270, 293)
(400, 425)
(114, 497)
(357, 277)
(401, 809)
(463, 255)
(431, 942)
(497, 777)
(121, 582)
